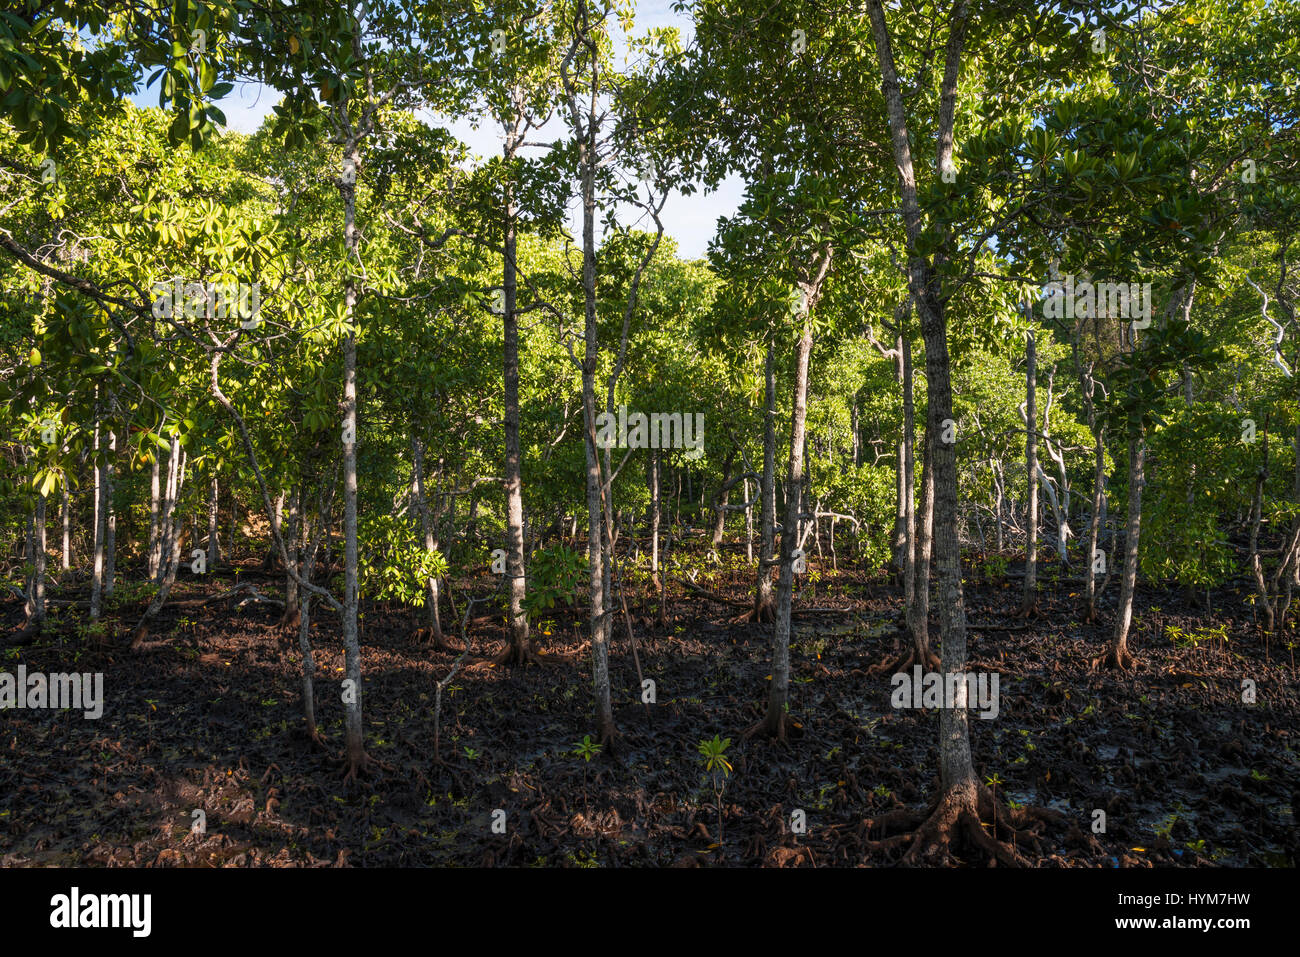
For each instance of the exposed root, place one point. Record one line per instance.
(358, 763)
(778, 729)
(611, 742)
(517, 656)
(974, 818)
(1117, 657)
(923, 656)
(290, 619)
(438, 642)
(760, 613)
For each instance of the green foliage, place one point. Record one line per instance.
(553, 575)
(391, 565)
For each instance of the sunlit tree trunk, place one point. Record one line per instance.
(1030, 598)
(155, 530)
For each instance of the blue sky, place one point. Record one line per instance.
(690, 220)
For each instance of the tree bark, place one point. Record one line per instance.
(97, 572)
(774, 723)
(155, 530)
(1118, 655)
(66, 518)
(214, 545)
(764, 607)
(430, 529)
(1029, 601)
(515, 560)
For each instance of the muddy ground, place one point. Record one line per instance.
(1188, 775)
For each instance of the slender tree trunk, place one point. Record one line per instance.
(36, 555)
(515, 561)
(764, 607)
(170, 540)
(1029, 602)
(774, 723)
(97, 572)
(292, 607)
(918, 624)
(110, 521)
(1118, 655)
(214, 545)
(721, 498)
(652, 519)
(430, 530)
(155, 530)
(902, 540)
(355, 742)
(66, 518)
(599, 619)
(1094, 527)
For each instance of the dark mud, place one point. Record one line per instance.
(1185, 771)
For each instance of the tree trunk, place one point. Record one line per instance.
(110, 520)
(721, 498)
(1029, 601)
(764, 607)
(599, 619)
(902, 538)
(652, 519)
(214, 545)
(918, 621)
(355, 742)
(515, 561)
(97, 572)
(1118, 655)
(1094, 527)
(169, 539)
(291, 603)
(66, 517)
(774, 723)
(155, 530)
(430, 529)
(37, 557)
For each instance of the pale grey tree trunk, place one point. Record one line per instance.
(721, 498)
(356, 756)
(170, 539)
(653, 517)
(919, 621)
(155, 530)
(515, 559)
(214, 545)
(1030, 598)
(764, 608)
(1118, 655)
(110, 520)
(960, 795)
(35, 606)
(97, 567)
(430, 530)
(778, 699)
(66, 517)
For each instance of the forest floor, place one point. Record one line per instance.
(1187, 774)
